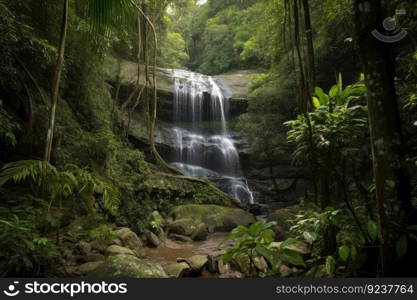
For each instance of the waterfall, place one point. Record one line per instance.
(204, 146)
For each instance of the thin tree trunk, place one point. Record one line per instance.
(56, 82)
(311, 72)
(392, 190)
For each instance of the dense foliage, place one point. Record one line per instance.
(340, 105)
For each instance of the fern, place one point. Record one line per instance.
(21, 170)
(74, 181)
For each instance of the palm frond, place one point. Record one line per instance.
(21, 170)
(105, 15)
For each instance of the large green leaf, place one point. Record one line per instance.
(268, 236)
(401, 246)
(330, 265)
(270, 255)
(344, 252)
(288, 242)
(310, 237)
(292, 257)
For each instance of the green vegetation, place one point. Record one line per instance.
(79, 157)
(255, 241)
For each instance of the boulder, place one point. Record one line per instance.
(216, 218)
(243, 264)
(93, 257)
(283, 215)
(200, 233)
(212, 264)
(180, 238)
(115, 250)
(99, 245)
(285, 271)
(83, 247)
(177, 270)
(131, 241)
(89, 267)
(223, 268)
(127, 266)
(196, 262)
(184, 226)
(260, 264)
(117, 242)
(152, 239)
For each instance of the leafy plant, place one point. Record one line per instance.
(59, 185)
(23, 251)
(255, 241)
(313, 227)
(157, 225)
(102, 233)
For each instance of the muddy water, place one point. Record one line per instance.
(172, 250)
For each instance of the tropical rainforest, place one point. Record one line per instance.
(313, 105)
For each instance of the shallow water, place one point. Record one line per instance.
(172, 250)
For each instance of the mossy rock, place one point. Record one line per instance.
(116, 250)
(183, 226)
(217, 218)
(127, 266)
(172, 191)
(283, 215)
(89, 267)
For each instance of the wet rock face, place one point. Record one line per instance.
(235, 87)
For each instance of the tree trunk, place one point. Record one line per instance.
(310, 70)
(56, 83)
(392, 191)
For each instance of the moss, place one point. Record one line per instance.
(217, 218)
(127, 266)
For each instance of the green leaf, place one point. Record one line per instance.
(270, 255)
(344, 252)
(340, 84)
(310, 237)
(372, 230)
(255, 228)
(316, 102)
(401, 246)
(293, 257)
(330, 265)
(333, 91)
(288, 242)
(320, 93)
(268, 236)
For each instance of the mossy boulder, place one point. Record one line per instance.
(177, 270)
(283, 215)
(115, 250)
(89, 267)
(196, 262)
(131, 240)
(127, 266)
(216, 218)
(185, 226)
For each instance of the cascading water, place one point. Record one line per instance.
(203, 144)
